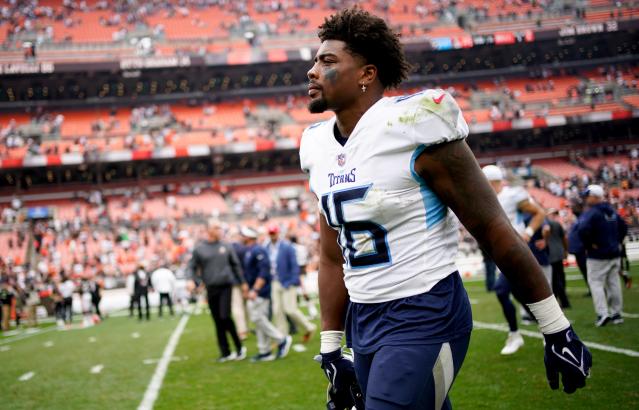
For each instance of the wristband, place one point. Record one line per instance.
(330, 340)
(529, 231)
(549, 315)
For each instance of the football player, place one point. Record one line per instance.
(516, 203)
(387, 172)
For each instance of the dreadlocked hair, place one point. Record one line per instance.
(370, 37)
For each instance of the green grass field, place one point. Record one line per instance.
(61, 364)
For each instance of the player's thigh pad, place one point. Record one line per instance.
(414, 377)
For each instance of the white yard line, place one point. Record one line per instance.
(598, 346)
(26, 376)
(630, 315)
(154, 386)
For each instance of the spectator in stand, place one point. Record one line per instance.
(558, 252)
(286, 279)
(141, 290)
(602, 231)
(164, 283)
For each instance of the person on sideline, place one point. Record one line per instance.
(286, 280)
(257, 271)
(602, 231)
(215, 263)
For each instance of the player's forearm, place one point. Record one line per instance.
(537, 220)
(333, 297)
(259, 284)
(514, 259)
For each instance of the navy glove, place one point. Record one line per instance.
(566, 354)
(343, 389)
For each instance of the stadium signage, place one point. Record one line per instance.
(26, 68)
(593, 28)
(155, 62)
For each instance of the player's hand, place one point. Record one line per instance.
(343, 389)
(190, 286)
(565, 354)
(251, 295)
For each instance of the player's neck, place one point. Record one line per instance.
(348, 118)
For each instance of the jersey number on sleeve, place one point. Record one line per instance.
(380, 254)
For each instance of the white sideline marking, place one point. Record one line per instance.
(27, 335)
(97, 369)
(299, 348)
(606, 348)
(26, 376)
(135, 335)
(92, 339)
(48, 343)
(173, 359)
(5, 348)
(154, 386)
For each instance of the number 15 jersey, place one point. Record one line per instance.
(397, 238)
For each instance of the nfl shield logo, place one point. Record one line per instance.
(341, 160)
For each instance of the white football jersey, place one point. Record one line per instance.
(509, 197)
(397, 238)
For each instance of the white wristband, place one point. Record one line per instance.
(529, 231)
(549, 315)
(330, 340)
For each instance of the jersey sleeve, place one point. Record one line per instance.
(519, 194)
(436, 118)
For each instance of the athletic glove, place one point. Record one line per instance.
(343, 390)
(566, 354)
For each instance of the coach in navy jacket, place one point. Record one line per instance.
(602, 231)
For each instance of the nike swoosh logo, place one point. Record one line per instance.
(579, 364)
(567, 351)
(439, 99)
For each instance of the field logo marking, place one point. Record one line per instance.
(593, 345)
(154, 386)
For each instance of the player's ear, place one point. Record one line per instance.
(369, 74)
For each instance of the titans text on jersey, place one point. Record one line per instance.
(397, 238)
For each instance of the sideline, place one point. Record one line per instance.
(23, 336)
(598, 346)
(154, 386)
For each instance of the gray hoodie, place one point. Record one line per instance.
(215, 264)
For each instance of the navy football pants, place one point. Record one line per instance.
(410, 377)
